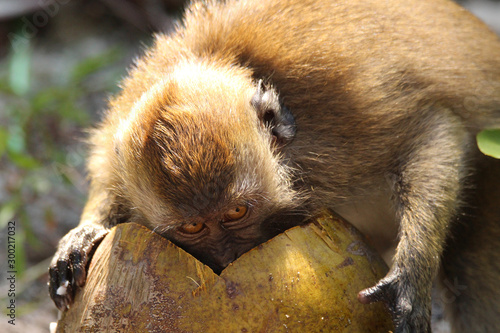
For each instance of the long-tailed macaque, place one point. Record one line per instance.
(254, 114)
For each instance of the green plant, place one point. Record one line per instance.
(39, 120)
(488, 142)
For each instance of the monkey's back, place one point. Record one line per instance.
(330, 55)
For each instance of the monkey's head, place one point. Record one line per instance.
(199, 157)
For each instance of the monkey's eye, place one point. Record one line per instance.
(236, 213)
(192, 228)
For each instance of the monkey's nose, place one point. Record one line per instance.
(221, 262)
(229, 258)
(224, 260)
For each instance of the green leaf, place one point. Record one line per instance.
(4, 137)
(24, 161)
(46, 98)
(488, 142)
(20, 69)
(16, 142)
(8, 211)
(94, 64)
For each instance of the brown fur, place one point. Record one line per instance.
(387, 98)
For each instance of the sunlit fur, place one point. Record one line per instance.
(190, 150)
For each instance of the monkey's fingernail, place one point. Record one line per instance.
(369, 295)
(363, 298)
(63, 289)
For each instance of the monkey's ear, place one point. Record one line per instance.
(273, 114)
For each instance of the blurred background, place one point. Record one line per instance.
(60, 60)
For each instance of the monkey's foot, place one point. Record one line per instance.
(67, 269)
(409, 306)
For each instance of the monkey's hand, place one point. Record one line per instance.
(67, 269)
(410, 307)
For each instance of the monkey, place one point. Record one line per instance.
(252, 115)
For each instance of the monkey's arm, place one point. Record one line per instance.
(67, 270)
(426, 189)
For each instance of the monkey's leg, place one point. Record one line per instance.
(426, 190)
(470, 279)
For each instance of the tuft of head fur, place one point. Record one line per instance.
(193, 145)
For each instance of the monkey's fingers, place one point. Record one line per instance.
(410, 313)
(370, 295)
(67, 270)
(60, 288)
(382, 291)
